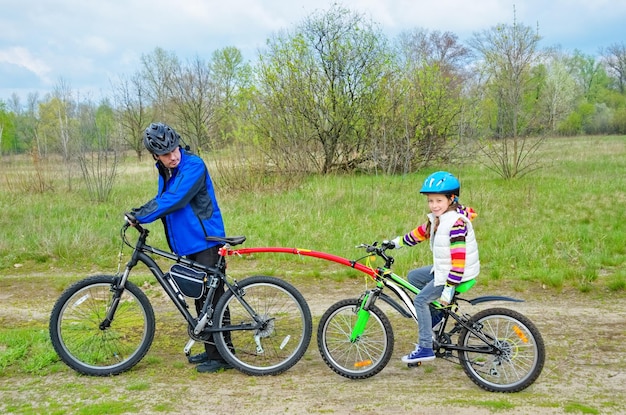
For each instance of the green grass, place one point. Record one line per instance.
(577, 408)
(560, 227)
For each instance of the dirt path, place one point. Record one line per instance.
(585, 370)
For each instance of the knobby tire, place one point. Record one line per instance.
(364, 357)
(521, 345)
(284, 336)
(79, 341)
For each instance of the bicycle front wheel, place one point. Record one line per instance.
(365, 356)
(521, 351)
(284, 333)
(80, 341)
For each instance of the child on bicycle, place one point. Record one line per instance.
(455, 256)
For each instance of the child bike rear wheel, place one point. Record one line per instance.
(520, 351)
(365, 356)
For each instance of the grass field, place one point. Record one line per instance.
(561, 226)
(554, 238)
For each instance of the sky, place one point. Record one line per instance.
(88, 44)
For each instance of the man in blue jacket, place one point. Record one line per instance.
(186, 204)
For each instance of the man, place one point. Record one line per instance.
(186, 204)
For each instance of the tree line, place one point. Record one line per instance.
(335, 94)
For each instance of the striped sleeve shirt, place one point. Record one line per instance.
(458, 232)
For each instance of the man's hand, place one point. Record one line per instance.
(130, 218)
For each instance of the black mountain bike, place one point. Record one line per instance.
(500, 349)
(104, 325)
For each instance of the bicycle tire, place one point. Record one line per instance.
(79, 341)
(522, 357)
(366, 356)
(283, 340)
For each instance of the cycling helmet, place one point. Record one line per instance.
(441, 182)
(160, 138)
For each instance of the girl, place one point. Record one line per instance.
(455, 255)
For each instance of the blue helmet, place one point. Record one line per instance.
(441, 182)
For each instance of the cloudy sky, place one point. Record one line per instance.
(88, 43)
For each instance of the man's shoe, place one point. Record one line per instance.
(420, 354)
(198, 358)
(212, 366)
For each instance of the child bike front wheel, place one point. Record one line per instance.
(353, 357)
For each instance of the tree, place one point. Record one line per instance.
(133, 110)
(27, 124)
(232, 80)
(508, 54)
(158, 71)
(7, 131)
(615, 60)
(427, 103)
(588, 73)
(194, 102)
(97, 156)
(559, 93)
(318, 88)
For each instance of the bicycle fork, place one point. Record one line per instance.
(363, 314)
(118, 289)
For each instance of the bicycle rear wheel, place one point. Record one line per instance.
(521, 351)
(83, 345)
(366, 356)
(285, 332)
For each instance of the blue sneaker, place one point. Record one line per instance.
(420, 354)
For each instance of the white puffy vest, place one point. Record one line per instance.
(440, 245)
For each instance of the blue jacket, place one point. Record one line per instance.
(187, 206)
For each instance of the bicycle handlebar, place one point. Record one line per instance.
(130, 220)
(379, 250)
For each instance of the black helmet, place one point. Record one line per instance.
(160, 138)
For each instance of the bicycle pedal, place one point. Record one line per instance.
(416, 364)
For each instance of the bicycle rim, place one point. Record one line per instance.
(82, 345)
(522, 351)
(359, 359)
(284, 336)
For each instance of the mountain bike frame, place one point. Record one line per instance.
(199, 324)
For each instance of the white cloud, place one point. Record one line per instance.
(21, 56)
(84, 42)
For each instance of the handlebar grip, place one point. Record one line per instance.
(130, 218)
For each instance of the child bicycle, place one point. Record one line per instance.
(104, 325)
(499, 349)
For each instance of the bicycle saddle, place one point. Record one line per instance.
(230, 240)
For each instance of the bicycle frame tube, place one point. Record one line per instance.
(158, 274)
(140, 255)
(149, 262)
(302, 252)
(400, 293)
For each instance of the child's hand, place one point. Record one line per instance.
(395, 243)
(447, 294)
